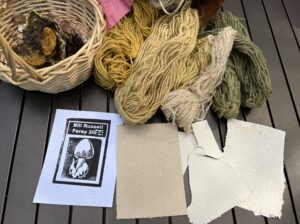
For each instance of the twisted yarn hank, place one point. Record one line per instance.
(246, 80)
(198, 60)
(191, 104)
(115, 58)
(160, 61)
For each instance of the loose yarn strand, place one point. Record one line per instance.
(191, 104)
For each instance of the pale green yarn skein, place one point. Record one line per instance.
(246, 81)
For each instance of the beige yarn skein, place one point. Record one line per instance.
(191, 104)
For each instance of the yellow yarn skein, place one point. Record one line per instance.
(114, 59)
(161, 60)
(199, 59)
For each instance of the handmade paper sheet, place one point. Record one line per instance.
(149, 181)
(253, 157)
(215, 186)
(256, 153)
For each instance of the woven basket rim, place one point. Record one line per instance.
(81, 61)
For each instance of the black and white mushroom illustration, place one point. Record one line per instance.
(83, 152)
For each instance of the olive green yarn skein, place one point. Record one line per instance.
(227, 102)
(246, 81)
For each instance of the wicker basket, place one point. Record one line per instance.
(85, 15)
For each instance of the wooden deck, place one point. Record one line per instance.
(26, 119)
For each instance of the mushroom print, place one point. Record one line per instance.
(84, 151)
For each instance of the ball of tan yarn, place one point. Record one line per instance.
(113, 62)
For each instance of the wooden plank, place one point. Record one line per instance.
(111, 213)
(241, 215)
(28, 159)
(292, 8)
(93, 98)
(49, 214)
(281, 105)
(154, 221)
(10, 107)
(87, 215)
(65, 100)
(286, 44)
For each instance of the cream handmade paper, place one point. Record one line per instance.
(149, 175)
(215, 186)
(256, 152)
(253, 161)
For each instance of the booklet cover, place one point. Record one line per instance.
(80, 164)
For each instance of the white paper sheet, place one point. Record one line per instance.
(215, 186)
(256, 152)
(206, 140)
(80, 164)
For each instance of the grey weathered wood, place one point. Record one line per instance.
(49, 214)
(94, 98)
(286, 44)
(27, 162)
(10, 107)
(293, 8)
(280, 102)
(87, 215)
(54, 213)
(154, 221)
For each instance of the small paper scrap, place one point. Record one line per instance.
(206, 139)
(187, 143)
(115, 10)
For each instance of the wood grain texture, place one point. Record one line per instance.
(28, 159)
(292, 8)
(10, 106)
(281, 105)
(286, 45)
